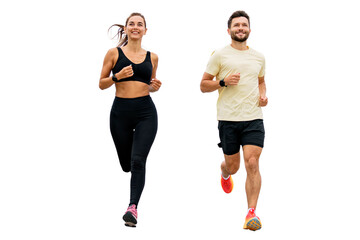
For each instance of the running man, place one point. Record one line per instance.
(239, 72)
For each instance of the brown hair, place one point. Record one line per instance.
(236, 15)
(123, 40)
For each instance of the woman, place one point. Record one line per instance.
(133, 118)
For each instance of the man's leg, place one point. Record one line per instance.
(229, 167)
(253, 180)
(231, 148)
(231, 164)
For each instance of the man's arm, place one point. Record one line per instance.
(263, 101)
(209, 85)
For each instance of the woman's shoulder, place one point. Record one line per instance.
(154, 56)
(113, 51)
(111, 55)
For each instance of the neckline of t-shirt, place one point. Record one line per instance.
(241, 51)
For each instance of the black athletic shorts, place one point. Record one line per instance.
(234, 134)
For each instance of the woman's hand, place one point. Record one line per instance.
(125, 72)
(155, 84)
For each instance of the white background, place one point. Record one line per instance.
(59, 173)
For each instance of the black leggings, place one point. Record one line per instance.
(133, 125)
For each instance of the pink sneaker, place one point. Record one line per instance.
(252, 222)
(130, 216)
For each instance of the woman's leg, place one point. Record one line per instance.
(144, 135)
(122, 133)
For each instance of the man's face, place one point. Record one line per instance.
(240, 29)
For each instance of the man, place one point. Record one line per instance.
(239, 72)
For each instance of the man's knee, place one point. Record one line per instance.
(252, 165)
(232, 163)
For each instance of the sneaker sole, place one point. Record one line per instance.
(130, 220)
(253, 224)
(130, 224)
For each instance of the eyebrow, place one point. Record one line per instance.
(241, 23)
(136, 22)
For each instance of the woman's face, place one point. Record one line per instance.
(135, 28)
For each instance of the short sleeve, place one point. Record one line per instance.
(213, 66)
(262, 70)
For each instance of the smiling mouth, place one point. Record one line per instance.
(241, 34)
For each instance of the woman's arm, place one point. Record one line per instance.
(106, 81)
(109, 62)
(155, 84)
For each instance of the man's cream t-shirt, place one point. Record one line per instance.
(241, 102)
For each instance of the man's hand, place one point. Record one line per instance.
(232, 79)
(263, 101)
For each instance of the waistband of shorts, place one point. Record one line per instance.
(246, 121)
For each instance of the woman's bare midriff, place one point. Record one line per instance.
(131, 89)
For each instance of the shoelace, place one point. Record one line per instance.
(133, 210)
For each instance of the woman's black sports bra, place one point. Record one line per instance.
(142, 71)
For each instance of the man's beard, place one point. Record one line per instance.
(238, 39)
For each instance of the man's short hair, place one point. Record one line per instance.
(236, 15)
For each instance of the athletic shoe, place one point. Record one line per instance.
(252, 222)
(227, 185)
(130, 216)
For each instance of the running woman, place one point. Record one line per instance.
(239, 72)
(133, 117)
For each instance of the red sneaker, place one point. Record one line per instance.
(130, 216)
(252, 222)
(227, 185)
